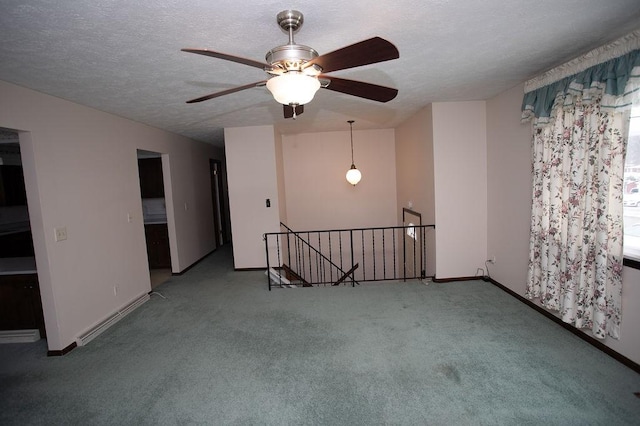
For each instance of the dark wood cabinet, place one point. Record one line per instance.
(12, 189)
(151, 182)
(157, 236)
(20, 303)
(16, 244)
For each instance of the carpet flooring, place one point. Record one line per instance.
(219, 349)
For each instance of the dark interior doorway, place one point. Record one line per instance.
(154, 213)
(21, 314)
(217, 191)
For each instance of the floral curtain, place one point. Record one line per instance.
(578, 149)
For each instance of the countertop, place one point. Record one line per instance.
(153, 219)
(17, 265)
(14, 228)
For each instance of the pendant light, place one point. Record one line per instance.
(353, 174)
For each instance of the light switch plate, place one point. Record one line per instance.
(61, 233)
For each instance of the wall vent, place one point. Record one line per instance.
(98, 329)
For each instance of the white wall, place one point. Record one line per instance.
(509, 213)
(252, 178)
(317, 192)
(81, 173)
(460, 170)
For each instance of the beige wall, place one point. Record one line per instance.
(509, 212)
(460, 170)
(81, 173)
(414, 174)
(252, 179)
(282, 197)
(317, 193)
(508, 189)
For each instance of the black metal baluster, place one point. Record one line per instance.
(309, 251)
(278, 236)
(352, 259)
(299, 266)
(288, 250)
(373, 251)
(321, 269)
(330, 259)
(341, 260)
(414, 253)
(423, 257)
(364, 266)
(266, 249)
(384, 258)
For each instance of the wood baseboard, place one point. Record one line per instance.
(448, 280)
(591, 340)
(63, 351)
(264, 268)
(194, 263)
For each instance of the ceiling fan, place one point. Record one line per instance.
(296, 72)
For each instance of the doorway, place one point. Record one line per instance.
(20, 301)
(217, 191)
(412, 244)
(154, 214)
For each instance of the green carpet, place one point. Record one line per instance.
(222, 350)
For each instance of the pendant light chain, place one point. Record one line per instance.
(351, 127)
(353, 174)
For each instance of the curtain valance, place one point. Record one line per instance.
(616, 81)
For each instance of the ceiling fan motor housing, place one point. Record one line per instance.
(290, 57)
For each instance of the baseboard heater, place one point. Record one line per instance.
(99, 328)
(19, 336)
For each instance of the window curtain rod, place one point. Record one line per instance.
(605, 53)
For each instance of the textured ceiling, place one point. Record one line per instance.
(124, 57)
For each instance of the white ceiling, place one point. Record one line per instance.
(124, 57)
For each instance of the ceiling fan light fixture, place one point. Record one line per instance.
(293, 88)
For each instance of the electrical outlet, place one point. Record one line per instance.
(115, 290)
(61, 233)
(492, 260)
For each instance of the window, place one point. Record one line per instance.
(411, 231)
(631, 193)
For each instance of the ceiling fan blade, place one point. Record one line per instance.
(226, 92)
(289, 110)
(366, 52)
(245, 61)
(360, 89)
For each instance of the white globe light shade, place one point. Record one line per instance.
(293, 88)
(353, 175)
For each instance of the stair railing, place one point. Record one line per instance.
(333, 257)
(304, 261)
